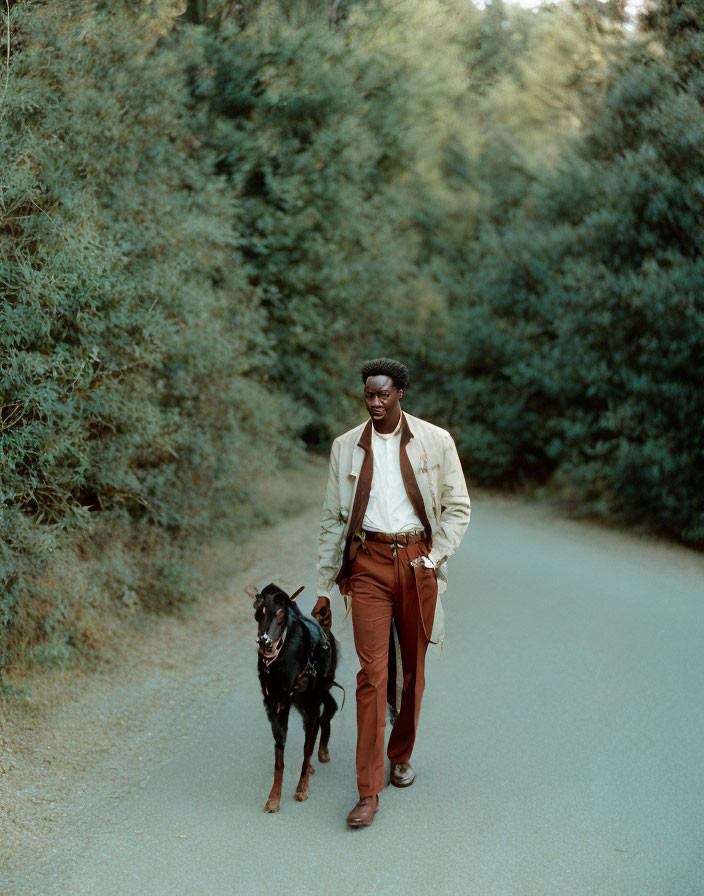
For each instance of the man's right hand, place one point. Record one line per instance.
(322, 612)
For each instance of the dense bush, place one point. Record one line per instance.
(131, 390)
(304, 122)
(580, 341)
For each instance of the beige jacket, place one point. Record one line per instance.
(436, 465)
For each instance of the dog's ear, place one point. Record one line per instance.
(251, 591)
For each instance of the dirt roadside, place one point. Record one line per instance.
(80, 737)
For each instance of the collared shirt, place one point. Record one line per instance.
(389, 508)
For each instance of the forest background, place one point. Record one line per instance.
(212, 212)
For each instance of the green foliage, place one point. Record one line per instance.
(534, 186)
(125, 319)
(204, 231)
(289, 124)
(580, 345)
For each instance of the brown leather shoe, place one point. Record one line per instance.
(363, 813)
(402, 775)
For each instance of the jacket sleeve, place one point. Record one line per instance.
(330, 542)
(454, 506)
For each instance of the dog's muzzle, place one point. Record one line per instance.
(267, 648)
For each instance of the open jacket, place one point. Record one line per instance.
(435, 485)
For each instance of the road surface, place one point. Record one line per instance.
(560, 745)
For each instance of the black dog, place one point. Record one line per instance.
(297, 662)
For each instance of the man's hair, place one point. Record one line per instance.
(387, 367)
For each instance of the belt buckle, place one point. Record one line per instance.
(395, 544)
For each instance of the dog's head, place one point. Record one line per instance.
(271, 606)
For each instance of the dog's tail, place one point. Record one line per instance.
(344, 693)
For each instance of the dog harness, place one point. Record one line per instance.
(309, 627)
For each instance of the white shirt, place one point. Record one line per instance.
(389, 508)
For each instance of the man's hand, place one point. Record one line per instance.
(322, 612)
(423, 561)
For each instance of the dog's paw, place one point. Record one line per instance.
(272, 805)
(323, 755)
(300, 795)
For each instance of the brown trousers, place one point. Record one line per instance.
(385, 587)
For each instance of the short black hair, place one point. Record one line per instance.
(387, 367)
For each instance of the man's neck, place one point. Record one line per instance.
(385, 427)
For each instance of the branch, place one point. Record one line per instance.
(7, 66)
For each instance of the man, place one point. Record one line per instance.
(396, 507)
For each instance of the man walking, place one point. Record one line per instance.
(396, 508)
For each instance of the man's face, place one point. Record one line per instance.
(382, 398)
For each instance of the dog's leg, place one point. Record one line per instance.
(279, 727)
(311, 722)
(329, 710)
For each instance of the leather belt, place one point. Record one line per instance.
(400, 539)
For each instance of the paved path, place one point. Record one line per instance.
(560, 749)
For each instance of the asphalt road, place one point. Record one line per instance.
(560, 747)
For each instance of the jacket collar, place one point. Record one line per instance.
(365, 439)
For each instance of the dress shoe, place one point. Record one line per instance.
(402, 775)
(363, 813)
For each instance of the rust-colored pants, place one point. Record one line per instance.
(385, 587)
